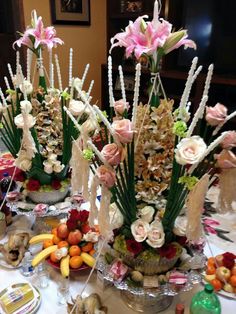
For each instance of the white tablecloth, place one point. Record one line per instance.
(110, 296)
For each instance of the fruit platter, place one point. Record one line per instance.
(69, 246)
(221, 274)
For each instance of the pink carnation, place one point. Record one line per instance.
(229, 140)
(113, 154)
(216, 115)
(106, 176)
(123, 129)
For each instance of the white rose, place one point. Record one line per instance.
(25, 106)
(156, 235)
(180, 226)
(146, 213)
(48, 167)
(190, 150)
(116, 218)
(140, 229)
(77, 84)
(52, 157)
(77, 107)
(58, 167)
(88, 126)
(90, 236)
(19, 121)
(26, 87)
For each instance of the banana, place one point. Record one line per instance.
(64, 266)
(40, 238)
(43, 254)
(88, 259)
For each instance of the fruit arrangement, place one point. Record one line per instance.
(221, 272)
(70, 244)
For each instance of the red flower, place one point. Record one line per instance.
(33, 185)
(71, 224)
(83, 215)
(228, 259)
(20, 176)
(56, 184)
(134, 246)
(168, 251)
(74, 214)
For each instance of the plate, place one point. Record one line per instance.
(31, 307)
(221, 292)
(57, 266)
(4, 264)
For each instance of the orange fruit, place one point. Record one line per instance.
(211, 261)
(87, 247)
(233, 271)
(217, 284)
(232, 280)
(47, 243)
(53, 258)
(74, 250)
(211, 270)
(56, 240)
(92, 252)
(62, 244)
(76, 261)
(54, 231)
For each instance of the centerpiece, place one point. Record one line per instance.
(153, 172)
(35, 128)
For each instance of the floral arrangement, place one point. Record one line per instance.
(36, 128)
(157, 165)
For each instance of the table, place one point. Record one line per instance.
(110, 296)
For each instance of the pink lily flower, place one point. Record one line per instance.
(210, 230)
(211, 222)
(44, 36)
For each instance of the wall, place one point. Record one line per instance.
(88, 42)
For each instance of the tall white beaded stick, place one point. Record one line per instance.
(17, 61)
(230, 116)
(58, 72)
(50, 68)
(110, 84)
(70, 66)
(208, 79)
(28, 64)
(97, 152)
(199, 69)
(122, 83)
(3, 98)
(198, 115)
(6, 82)
(72, 118)
(52, 76)
(11, 74)
(136, 94)
(188, 85)
(72, 89)
(90, 88)
(84, 75)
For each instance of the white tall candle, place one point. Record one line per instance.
(70, 65)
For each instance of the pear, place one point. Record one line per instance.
(228, 288)
(209, 278)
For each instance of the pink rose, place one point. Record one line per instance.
(106, 176)
(120, 106)
(123, 129)
(216, 115)
(113, 154)
(229, 140)
(226, 159)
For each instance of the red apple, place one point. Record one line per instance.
(219, 260)
(85, 228)
(223, 273)
(62, 231)
(74, 237)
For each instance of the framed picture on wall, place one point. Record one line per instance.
(75, 12)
